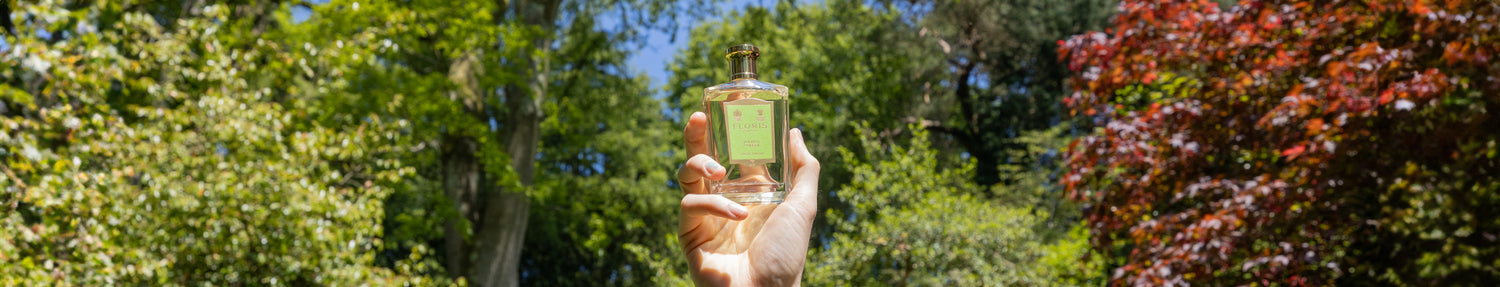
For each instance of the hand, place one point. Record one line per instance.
(728, 244)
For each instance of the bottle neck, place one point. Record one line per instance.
(742, 67)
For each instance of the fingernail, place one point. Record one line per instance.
(714, 168)
(739, 211)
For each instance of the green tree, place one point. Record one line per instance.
(415, 60)
(914, 223)
(144, 145)
(603, 211)
(449, 68)
(422, 75)
(511, 78)
(565, 32)
(998, 75)
(559, 62)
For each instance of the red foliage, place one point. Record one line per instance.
(1262, 165)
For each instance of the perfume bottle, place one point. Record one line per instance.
(747, 122)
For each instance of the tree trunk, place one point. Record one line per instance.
(988, 169)
(503, 231)
(464, 180)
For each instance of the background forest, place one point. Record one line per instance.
(971, 143)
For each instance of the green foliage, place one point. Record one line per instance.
(912, 222)
(999, 76)
(150, 154)
(427, 62)
(601, 198)
(605, 231)
(1071, 261)
(1031, 179)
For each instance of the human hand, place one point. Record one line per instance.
(729, 244)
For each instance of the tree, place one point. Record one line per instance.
(441, 68)
(416, 60)
(998, 79)
(1305, 143)
(144, 145)
(500, 239)
(915, 223)
(601, 197)
(407, 78)
(532, 78)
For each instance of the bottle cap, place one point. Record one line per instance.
(742, 60)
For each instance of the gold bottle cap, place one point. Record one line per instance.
(742, 60)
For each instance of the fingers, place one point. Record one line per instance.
(696, 134)
(803, 194)
(698, 205)
(698, 168)
(804, 165)
(699, 218)
(783, 253)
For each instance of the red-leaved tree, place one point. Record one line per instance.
(1293, 142)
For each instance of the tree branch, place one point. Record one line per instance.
(964, 93)
(963, 137)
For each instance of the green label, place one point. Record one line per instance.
(750, 131)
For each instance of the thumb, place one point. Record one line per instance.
(803, 194)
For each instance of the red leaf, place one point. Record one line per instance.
(1294, 151)
(1314, 126)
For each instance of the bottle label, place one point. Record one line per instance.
(750, 131)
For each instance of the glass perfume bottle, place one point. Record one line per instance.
(748, 132)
